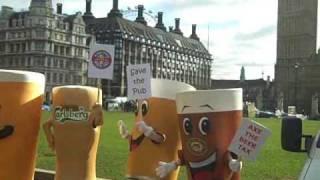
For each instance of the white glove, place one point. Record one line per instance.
(144, 128)
(123, 130)
(165, 168)
(235, 165)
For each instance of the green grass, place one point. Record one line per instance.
(272, 163)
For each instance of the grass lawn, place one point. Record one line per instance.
(272, 163)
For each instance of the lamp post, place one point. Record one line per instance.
(296, 68)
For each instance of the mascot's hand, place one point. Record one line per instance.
(47, 127)
(96, 115)
(123, 130)
(144, 128)
(165, 168)
(235, 165)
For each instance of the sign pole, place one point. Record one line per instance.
(99, 87)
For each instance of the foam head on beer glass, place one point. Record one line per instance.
(158, 114)
(21, 96)
(208, 120)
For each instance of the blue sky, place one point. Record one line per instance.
(241, 32)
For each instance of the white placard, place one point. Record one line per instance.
(249, 139)
(101, 61)
(139, 81)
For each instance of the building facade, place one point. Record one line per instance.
(257, 91)
(171, 54)
(296, 76)
(44, 41)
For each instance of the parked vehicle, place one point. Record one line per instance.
(265, 114)
(291, 140)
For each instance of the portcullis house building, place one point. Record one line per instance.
(171, 54)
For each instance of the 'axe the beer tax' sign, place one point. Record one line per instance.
(249, 139)
(139, 81)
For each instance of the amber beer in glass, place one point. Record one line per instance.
(208, 120)
(158, 112)
(75, 139)
(21, 96)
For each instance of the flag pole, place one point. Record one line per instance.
(99, 87)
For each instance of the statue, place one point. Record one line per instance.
(315, 105)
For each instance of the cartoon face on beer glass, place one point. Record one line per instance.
(73, 131)
(155, 136)
(21, 96)
(208, 120)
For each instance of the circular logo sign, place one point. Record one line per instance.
(101, 59)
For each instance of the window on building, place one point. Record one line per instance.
(61, 78)
(49, 62)
(61, 50)
(23, 47)
(61, 63)
(55, 62)
(48, 77)
(54, 79)
(39, 45)
(77, 79)
(40, 33)
(56, 49)
(67, 78)
(68, 51)
(68, 65)
(17, 47)
(2, 48)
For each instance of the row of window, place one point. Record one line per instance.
(63, 78)
(39, 61)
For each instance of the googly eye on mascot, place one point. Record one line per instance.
(208, 120)
(155, 135)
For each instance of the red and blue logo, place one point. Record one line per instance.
(101, 59)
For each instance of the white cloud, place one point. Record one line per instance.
(228, 20)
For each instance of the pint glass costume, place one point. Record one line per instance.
(155, 117)
(21, 96)
(208, 120)
(73, 131)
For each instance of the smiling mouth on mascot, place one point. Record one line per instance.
(135, 143)
(201, 170)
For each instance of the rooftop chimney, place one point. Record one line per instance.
(88, 14)
(170, 28)
(115, 12)
(59, 8)
(194, 33)
(177, 28)
(160, 24)
(140, 18)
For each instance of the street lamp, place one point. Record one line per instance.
(296, 67)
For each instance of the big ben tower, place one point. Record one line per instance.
(296, 44)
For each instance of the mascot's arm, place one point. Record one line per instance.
(165, 168)
(123, 130)
(149, 132)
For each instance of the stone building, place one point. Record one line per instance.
(171, 54)
(44, 41)
(257, 91)
(297, 68)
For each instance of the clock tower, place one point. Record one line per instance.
(296, 44)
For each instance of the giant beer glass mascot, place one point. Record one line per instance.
(155, 136)
(208, 120)
(21, 96)
(73, 131)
